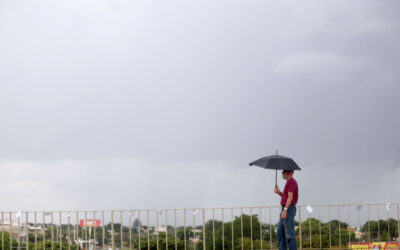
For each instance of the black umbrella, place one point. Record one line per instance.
(277, 162)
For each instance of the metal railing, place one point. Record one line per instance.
(343, 226)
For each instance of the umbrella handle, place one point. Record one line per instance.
(276, 177)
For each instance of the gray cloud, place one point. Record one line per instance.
(98, 97)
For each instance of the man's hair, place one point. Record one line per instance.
(288, 171)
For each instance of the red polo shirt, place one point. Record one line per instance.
(290, 186)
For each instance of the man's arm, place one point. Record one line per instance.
(288, 202)
(277, 191)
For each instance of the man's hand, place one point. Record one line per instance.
(276, 190)
(283, 214)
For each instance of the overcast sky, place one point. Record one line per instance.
(154, 104)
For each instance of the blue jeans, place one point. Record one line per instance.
(285, 230)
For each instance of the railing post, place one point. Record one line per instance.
(52, 231)
(10, 233)
(130, 230)
(223, 229)
(309, 224)
(86, 231)
(379, 230)
(35, 221)
(77, 228)
(112, 230)
(251, 228)
(398, 222)
(104, 230)
(60, 235)
(94, 229)
(300, 232)
(175, 236)
(69, 230)
(369, 228)
(213, 227)
(261, 229)
(241, 226)
(388, 221)
(194, 228)
(166, 229)
(329, 221)
(2, 230)
(319, 222)
(140, 230)
(204, 229)
(148, 229)
(233, 242)
(157, 228)
(359, 220)
(184, 228)
(19, 226)
(44, 229)
(26, 230)
(348, 218)
(121, 229)
(340, 236)
(270, 228)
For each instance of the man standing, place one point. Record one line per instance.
(290, 195)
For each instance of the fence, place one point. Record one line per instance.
(355, 226)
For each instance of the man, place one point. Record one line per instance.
(290, 195)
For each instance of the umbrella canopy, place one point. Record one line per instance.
(277, 162)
